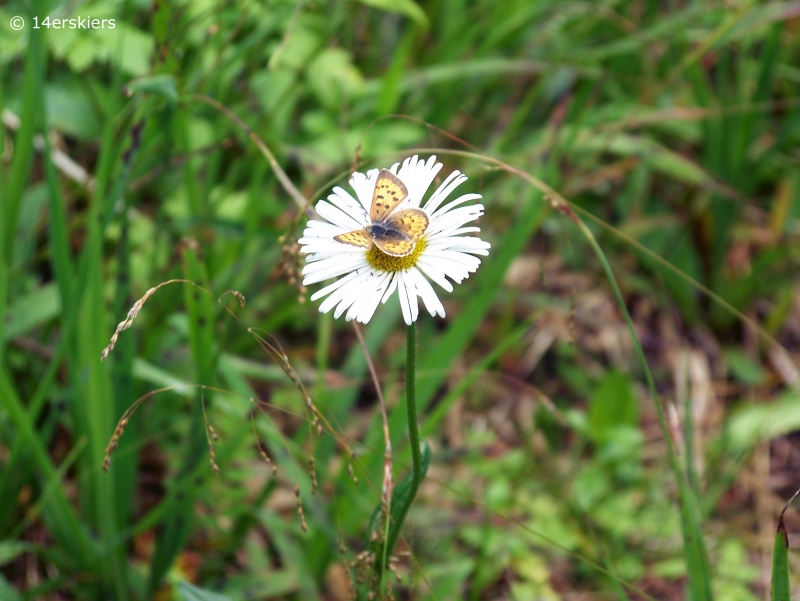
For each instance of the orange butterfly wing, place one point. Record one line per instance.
(411, 222)
(389, 192)
(395, 248)
(355, 238)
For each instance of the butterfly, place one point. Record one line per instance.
(396, 234)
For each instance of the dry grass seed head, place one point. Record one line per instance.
(291, 265)
(300, 513)
(313, 474)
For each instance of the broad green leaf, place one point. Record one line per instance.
(297, 48)
(271, 88)
(161, 378)
(70, 110)
(408, 8)
(743, 368)
(163, 85)
(127, 47)
(36, 308)
(12, 42)
(8, 592)
(195, 593)
(611, 406)
(333, 77)
(763, 421)
(9, 549)
(81, 53)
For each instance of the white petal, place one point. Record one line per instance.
(391, 288)
(337, 295)
(458, 201)
(321, 230)
(442, 192)
(403, 295)
(455, 218)
(470, 244)
(364, 185)
(355, 290)
(364, 306)
(432, 302)
(337, 216)
(332, 267)
(418, 176)
(452, 233)
(435, 273)
(343, 200)
(411, 292)
(332, 287)
(329, 248)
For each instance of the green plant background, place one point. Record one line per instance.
(672, 127)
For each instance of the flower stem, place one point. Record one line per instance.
(413, 435)
(411, 407)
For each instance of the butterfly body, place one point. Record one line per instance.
(393, 232)
(386, 231)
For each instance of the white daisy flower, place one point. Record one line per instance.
(376, 246)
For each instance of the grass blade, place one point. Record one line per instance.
(780, 564)
(780, 559)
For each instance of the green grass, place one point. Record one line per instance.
(671, 129)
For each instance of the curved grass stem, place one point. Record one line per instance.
(695, 551)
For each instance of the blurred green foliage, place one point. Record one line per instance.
(677, 124)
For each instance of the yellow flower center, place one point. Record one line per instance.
(383, 262)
